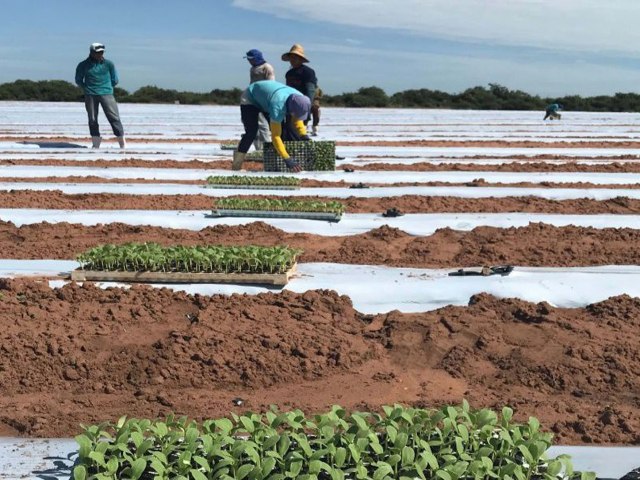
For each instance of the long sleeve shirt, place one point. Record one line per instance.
(271, 97)
(96, 77)
(303, 79)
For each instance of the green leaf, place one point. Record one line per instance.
(588, 476)
(408, 456)
(137, 468)
(443, 474)
(84, 446)
(244, 470)
(80, 473)
(507, 414)
(197, 475)
(268, 464)
(382, 471)
(247, 424)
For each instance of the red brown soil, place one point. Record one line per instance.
(55, 199)
(84, 355)
(535, 245)
(310, 183)
(534, 165)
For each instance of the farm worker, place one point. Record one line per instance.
(278, 102)
(552, 111)
(97, 76)
(302, 78)
(315, 111)
(260, 70)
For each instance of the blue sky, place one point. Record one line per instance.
(547, 47)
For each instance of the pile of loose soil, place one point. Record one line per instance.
(82, 354)
(55, 199)
(537, 245)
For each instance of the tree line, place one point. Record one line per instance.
(491, 97)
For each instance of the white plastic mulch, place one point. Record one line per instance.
(420, 224)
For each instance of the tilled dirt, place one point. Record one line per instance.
(536, 245)
(311, 183)
(55, 199)
(80, 354)
(531, 165)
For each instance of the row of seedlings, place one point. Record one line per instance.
(278, 208)
(450, 443)
(151, 262)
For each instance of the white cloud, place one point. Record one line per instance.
(584, 25)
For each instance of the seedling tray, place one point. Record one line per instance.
(278, 279)
(326, 216)
(253, 187)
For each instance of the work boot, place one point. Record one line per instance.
(95, 142)
(121, 142)
(238, 160)
(314, 131)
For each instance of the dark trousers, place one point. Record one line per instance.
(249, 115)
(110, 108)
(315, 115)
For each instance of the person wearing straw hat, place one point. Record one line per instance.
(302, 78)
(277, 102)
(97, 77)
(260, 70)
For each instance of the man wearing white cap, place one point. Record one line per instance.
(97, 76)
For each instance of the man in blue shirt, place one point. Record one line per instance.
(552, 112)
(97, 76)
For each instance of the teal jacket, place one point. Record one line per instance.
(96, 78)
(271, 97)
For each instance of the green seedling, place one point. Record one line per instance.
(450, 443)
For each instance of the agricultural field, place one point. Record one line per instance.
(370, 317)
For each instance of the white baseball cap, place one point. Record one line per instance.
(97, 47)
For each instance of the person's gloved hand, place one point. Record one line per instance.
(292, 164)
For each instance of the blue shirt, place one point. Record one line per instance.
(96, 77)
(271, 97)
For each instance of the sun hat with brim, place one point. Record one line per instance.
(295, 50)
(299, 106)
(97, 47)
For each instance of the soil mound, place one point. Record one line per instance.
(83, 354)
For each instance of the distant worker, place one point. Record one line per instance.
(302, 78)
(315, 111)
(552, 112)
(279, 103)
(260, 70)
(97, 76)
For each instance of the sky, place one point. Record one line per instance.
(544, 47)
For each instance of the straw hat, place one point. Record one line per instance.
(295, 50)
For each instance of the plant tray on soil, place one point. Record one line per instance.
(150, 262)
(403, 443)
(312, 156)
(175, 277)
(278, 208)
(250, 182)
(223, 212)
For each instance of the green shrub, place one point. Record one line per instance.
(250, 180)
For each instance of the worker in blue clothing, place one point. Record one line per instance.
(277, 102)
(97, 76)
(552, 112)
